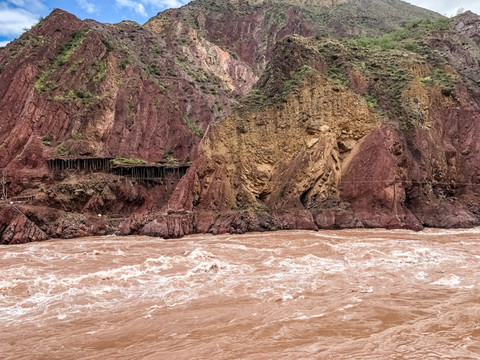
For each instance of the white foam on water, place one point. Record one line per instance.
(207, 267)
(449, 280)
(421, 275)
(366, 290)
(198, 271)
(239, 247)
(199, 253)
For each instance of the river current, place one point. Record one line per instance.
(353, 294)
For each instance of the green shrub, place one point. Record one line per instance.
(183, 41)
(62, 149)
(415, 29)
(102, 68)
(338, 75)
(71, 46)
(42, 84)
(154, 49)
(193, 127)
(73, 69)
(410, 46)
(125, 62)
(170, 159)
(153, 70)
(426, 80)
(47, 140)
(108, 43)
(127, 161)
(446, 81)
(83, 94)
(371, 101)
(257, 97)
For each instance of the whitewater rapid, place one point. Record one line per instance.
(352, 294)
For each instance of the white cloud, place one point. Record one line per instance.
(32, 5)
(13, 21)
(448, 7)
(135, 6)
(162, 4)
(87, 6)
(155, 5)
(3, 43)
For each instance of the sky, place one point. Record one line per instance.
(18, 15)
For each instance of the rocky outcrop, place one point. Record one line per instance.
(251, 28)
(344, 152)
(301, 132)
(86, 89)
(16, 228)
(73, 88)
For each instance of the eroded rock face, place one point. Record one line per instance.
(326, 149)
(251, 29)
(334, 134)
(16, 228)
(468, 24)
(84, 89)
(81, 88)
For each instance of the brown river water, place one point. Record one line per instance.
(354, 294)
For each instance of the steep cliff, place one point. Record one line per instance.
(369, 133)
(359, 116)
(97, 90)
(251, 28)
(80, 89)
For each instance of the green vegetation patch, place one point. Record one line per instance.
(155, 49)
(170, 160)
(447, 82)
(193, 127)
(47, 140)
(108, 43)
(120, 161)
(154, 70)
(62, 149)
(371, 101)
(73, 69)
(125, 62)
(71, 46)
(260, 97)
(65, 52)
(42, 84)
(293, 82)
(80, 94)
(102, 68)
(337, 75)
(183, 41)
(405, 38)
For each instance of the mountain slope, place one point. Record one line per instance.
(99, 89)
(81, 90)
(250, 28)
(348, 134)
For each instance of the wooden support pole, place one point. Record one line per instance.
(4, 186)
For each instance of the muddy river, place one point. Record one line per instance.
(356, 294)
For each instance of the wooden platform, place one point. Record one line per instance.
(153, 172)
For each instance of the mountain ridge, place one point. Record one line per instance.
(147, 95)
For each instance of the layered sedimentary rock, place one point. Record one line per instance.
(251, 28)
(80, 89)
(359, 116)
(84, 88)
(368, 138)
